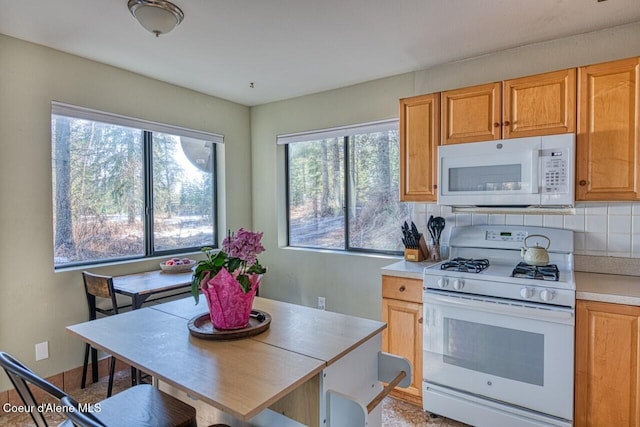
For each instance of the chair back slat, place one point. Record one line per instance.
(98, 286)
(101, 287)
(21, 377)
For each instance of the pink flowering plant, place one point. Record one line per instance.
(239, 256)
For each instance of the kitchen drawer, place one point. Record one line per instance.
(402, 288)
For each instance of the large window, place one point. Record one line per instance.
(125, 188)
(342, 188)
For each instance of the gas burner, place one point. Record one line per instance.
(545, 272)
(466, 265)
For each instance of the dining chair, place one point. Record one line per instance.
(20, 376)
(82, 417)
(142, 405)
(96, 286)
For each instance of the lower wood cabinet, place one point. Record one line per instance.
(607, 388)
(402, 311)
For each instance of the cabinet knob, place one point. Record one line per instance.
(496, 125)
(402, 288)
(582, 182)
(507, 123)
(420, 320)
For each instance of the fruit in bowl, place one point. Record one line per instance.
(177, 265)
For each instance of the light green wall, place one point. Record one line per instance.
(351, 283)
(35, 303)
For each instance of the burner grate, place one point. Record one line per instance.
(545, 272)
(467, 265)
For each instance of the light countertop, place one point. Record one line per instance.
(613, 288)
(407, 269)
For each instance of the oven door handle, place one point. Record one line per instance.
(490, 305)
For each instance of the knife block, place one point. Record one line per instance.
(417, 254)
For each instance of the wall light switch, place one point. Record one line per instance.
(42, 350)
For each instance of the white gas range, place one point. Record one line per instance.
(498, 333)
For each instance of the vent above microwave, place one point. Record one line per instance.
(516, 210)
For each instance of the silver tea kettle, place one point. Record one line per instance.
(535, 255)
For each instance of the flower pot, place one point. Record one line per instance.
(229, 306)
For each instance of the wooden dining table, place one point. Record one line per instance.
(278, 377)
(140, 286)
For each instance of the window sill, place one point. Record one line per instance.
(119, 263)
(346, 253)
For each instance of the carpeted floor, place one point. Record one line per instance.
(395, 413)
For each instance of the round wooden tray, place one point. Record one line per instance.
(201, 327)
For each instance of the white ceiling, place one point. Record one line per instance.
(290, 48)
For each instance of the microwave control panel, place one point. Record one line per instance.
(554, 170)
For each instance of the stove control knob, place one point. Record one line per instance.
(547, 295)
(526, 293)
(442, 283)
(458, 284)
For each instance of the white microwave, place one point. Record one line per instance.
(520, 172)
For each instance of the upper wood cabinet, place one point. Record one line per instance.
(471, 114)
(542, 104)
(608, 139)
(419, 138)
(607, 389)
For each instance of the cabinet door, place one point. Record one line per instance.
(608, 140)
(471, 114)
(543, 104)
(403, 337)
(607, 380)
(419, 136)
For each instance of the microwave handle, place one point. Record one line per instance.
(536, 172)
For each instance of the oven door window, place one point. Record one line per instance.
(508, 353)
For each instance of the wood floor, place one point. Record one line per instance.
(395, 413)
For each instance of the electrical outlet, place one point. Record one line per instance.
(42, 350)
(321, 303)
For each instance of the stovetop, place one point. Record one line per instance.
(521, 270)
(500, 270)
(491, 264)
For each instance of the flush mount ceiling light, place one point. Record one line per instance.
(157, 16)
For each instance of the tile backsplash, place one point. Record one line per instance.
(600, 229)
